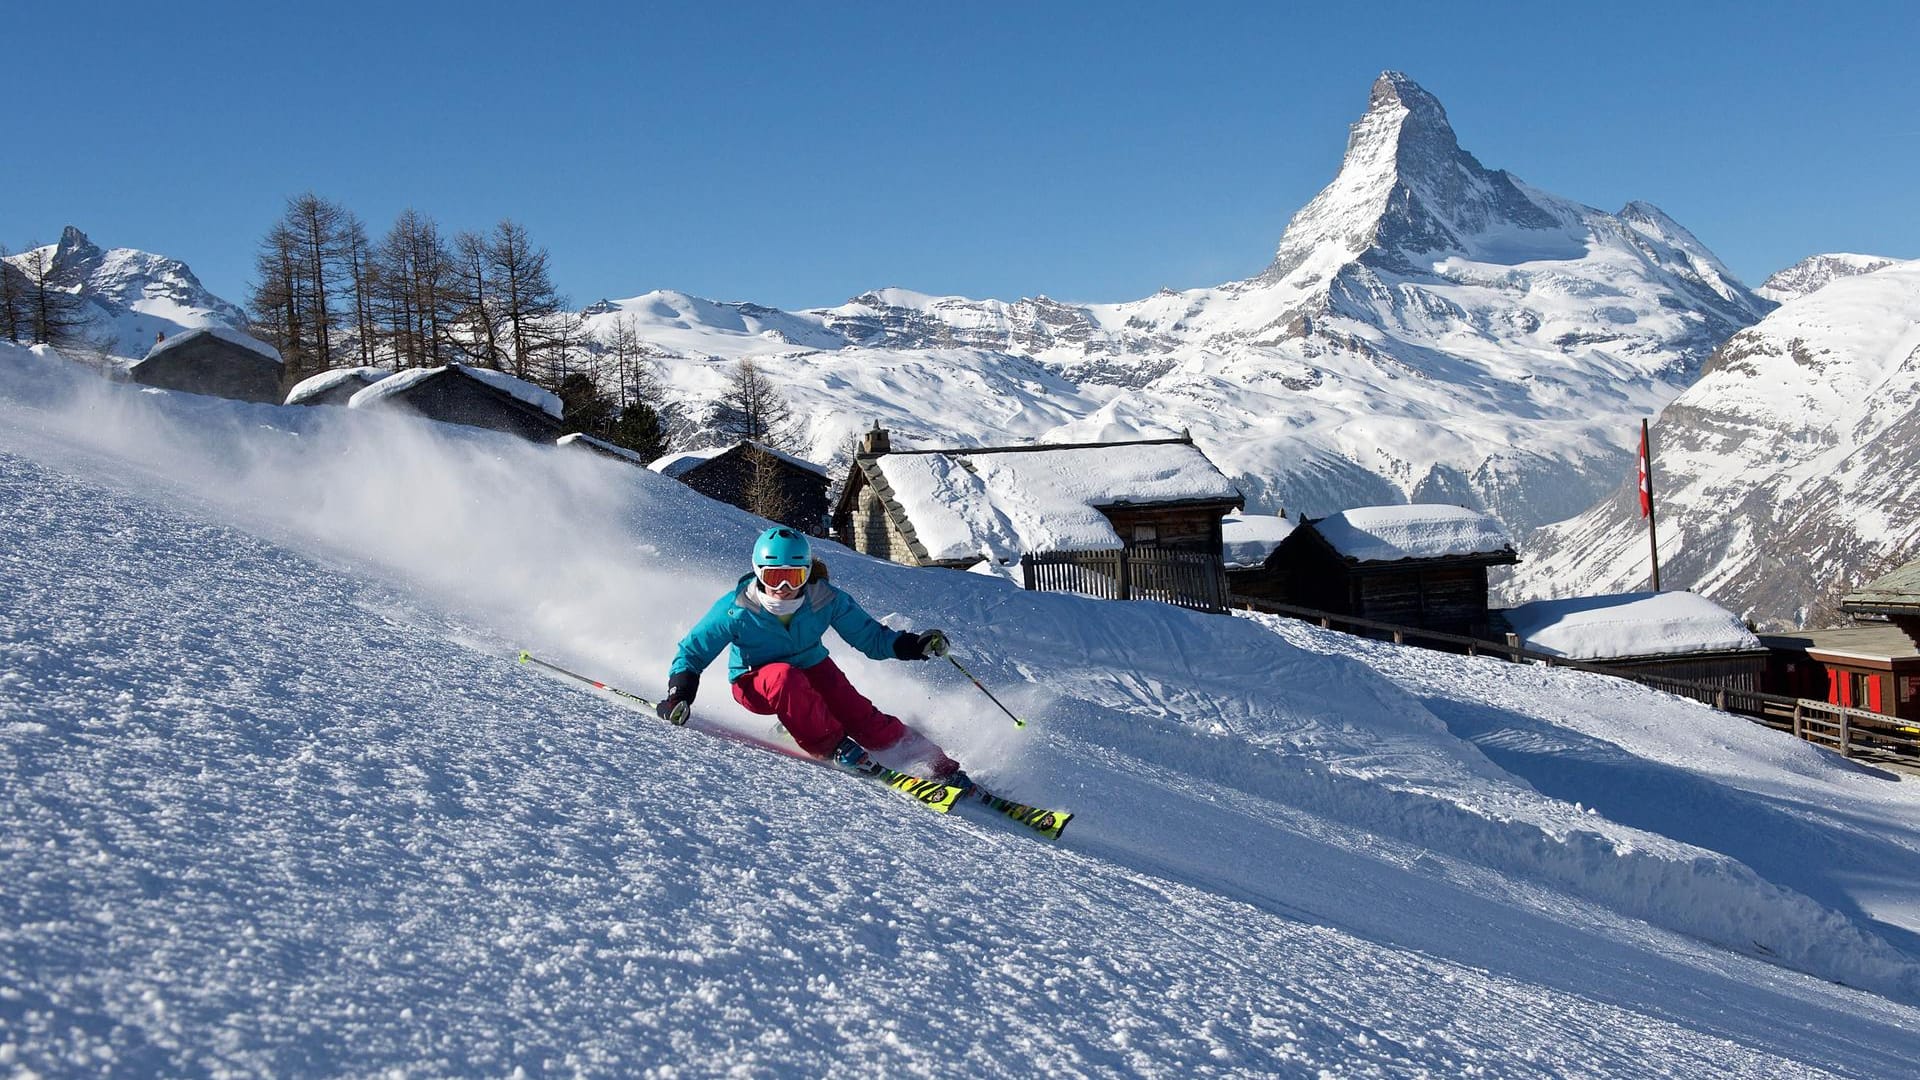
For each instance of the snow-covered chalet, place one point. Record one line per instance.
(214, 360)
(756, 478)
(1653, 635)
(1422, 566)
(1118, 520)
(476, 397)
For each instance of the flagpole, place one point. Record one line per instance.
(1646, 501)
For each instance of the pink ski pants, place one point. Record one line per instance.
(818, 706)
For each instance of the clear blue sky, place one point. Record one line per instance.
(797, 154)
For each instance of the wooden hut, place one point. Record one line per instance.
(216, 361)
(1874, 666)
(476, 397)
(1675, 635)
(1422, 566)
(757, 478)
(1124, 520)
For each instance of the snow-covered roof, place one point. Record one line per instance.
(682, 462)
(1002, 503)
(224, 333)
(1629, 624)
(1420, 531)
(589, 442)
(315, 385)
(520, 389)
(1247, 540)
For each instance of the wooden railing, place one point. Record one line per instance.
(1191, 579)
(1850, 732)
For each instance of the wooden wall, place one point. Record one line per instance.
(457, 399)
(729, 478)
(1188, 528)
(1450, 599)
(1733, 671)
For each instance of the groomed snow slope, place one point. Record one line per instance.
(280, 801)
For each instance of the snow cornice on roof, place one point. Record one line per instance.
(681, 462)
(968, 451)
(1401, 533)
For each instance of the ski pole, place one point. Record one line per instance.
(528, 658)
(1017, 722)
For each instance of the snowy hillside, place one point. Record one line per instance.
(1786, 476)
(1815, 272)
(1429, 329)
(132, 296)
(281, 802)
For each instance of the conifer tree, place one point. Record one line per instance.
(412, 301)
(302, 298)
(529, 308)
(13, 300)
(637, 427)
(55, 314)
(754, 409)
(472, 327)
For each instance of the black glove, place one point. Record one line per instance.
(922, 646)
(679, 704)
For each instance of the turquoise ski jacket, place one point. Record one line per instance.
(758, 638)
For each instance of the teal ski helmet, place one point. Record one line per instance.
(781, 546)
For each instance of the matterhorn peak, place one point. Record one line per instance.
(1402, 115)
(1405, 188)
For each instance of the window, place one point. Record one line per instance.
(1864, 690)
(1145, 534)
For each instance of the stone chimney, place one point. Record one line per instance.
(875, 442)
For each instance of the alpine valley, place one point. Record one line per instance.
(1787, 475)
(1428, 330)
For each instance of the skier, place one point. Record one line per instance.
(775, 618)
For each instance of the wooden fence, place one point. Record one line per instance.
(1848, 731)
(1191, 579)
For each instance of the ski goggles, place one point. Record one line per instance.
(782, 577)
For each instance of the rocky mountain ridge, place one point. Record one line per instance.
(131, 296)
(1817, 271)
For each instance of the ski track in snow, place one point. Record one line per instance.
(279, 801)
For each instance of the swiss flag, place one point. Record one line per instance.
(1646, 489)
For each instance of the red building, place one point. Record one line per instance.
(1874, 666)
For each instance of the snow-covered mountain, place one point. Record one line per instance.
(1787, 475)
(1816, 271)
(132, 296)
(280, 801)
(1428, 329)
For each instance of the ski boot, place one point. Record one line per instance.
(948, 771)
